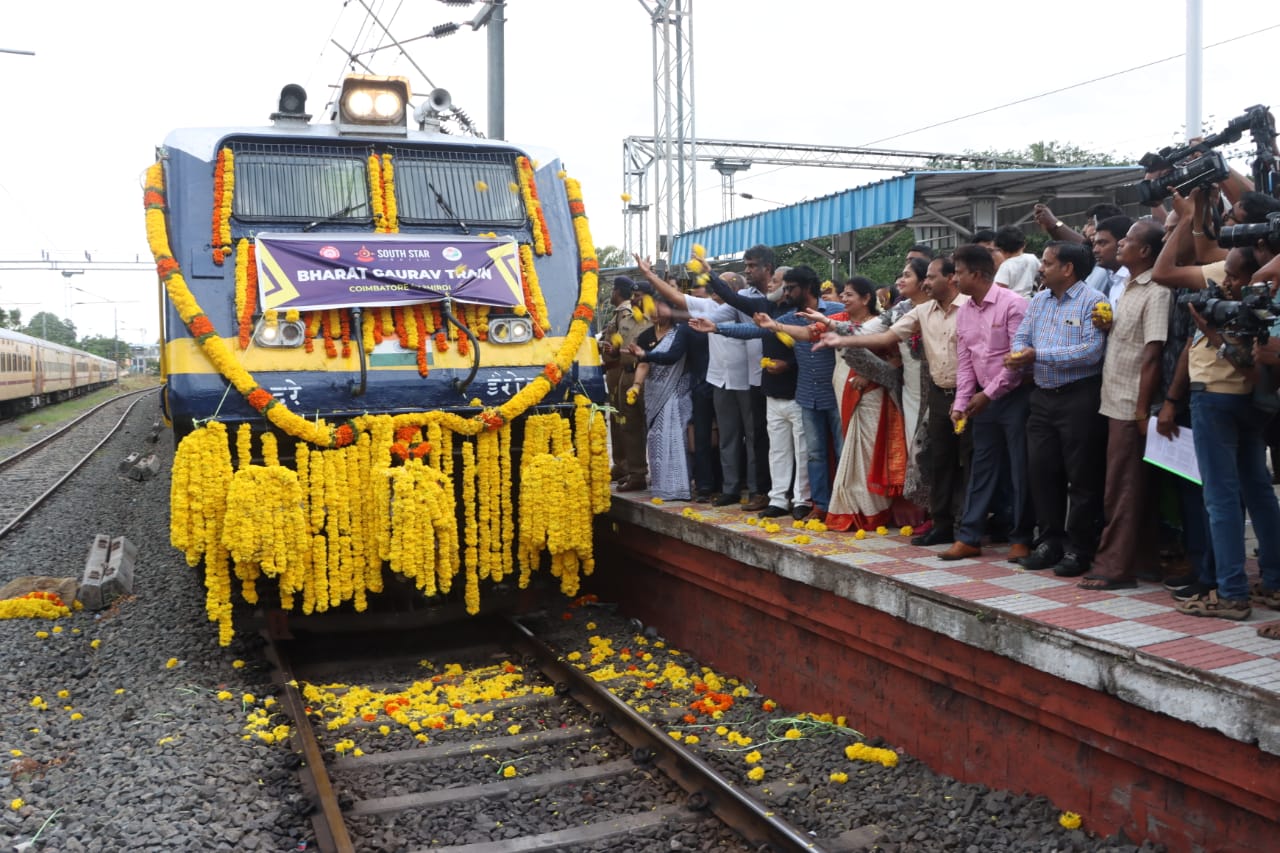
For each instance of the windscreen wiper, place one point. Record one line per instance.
(346, 211)
(444, 205)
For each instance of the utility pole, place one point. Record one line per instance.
(497, 69)
(1195, 67)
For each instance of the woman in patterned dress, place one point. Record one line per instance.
(668, 407)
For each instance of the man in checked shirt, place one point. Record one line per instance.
(1066, 436)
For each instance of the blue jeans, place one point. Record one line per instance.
(819, 424)
(1231, 453)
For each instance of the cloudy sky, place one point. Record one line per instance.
(108, 81)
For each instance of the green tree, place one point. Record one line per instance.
(877, 258)
(112, 348)
(11, 319)
(1052, 153)
(611, 256)
(47, 326)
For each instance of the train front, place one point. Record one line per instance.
(376, 344)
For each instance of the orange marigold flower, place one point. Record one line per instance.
(399, 451)
(343, 435)
(369, 718)
(769, 705)
(200, 326)
(553, 373)
(260, 398)
(690, 718)
(406, 433)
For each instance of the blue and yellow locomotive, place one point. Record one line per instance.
(375, 355)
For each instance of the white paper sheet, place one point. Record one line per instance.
(1177, 455)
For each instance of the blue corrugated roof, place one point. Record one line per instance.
(891, 200)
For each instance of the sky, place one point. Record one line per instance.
(108, 81)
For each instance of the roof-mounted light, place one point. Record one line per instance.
(373, 105)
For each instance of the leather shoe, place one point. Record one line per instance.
(801, 511)
(632, 484)
(772, 511)
(1041, 558)
(936, 536)
(1072, 566)
(816, 514)
(726, 500)
(1017, 551)
(960, 551)
(756, 503)
(703, 498)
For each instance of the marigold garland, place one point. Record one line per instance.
(537, 221)
(38, 604)
(533, 301)
(224, 180)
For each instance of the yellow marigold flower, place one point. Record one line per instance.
(237, 664)
(675, 735)
(802, 540)
(753, 521)
(93, 644)
(815, 525)
(752, 757)
(755, 774)
(792, 734)
(17, 803)
(482, 187)
(574, 656)
(57, 629)
(77, 716)
(961, 423)
(513, 730)
(882, 530)
(591, 626)
(357, 752)
(476, 402)
(907, 530)
(16, 753)
(785, 339)
(224, 695)
(626, 198)
(766, 363)
(119, 691)
(508, 771)
(75, 630)
(384, 730)
(657, 501)
(769, 705)
(420, 737)
(839, 778)
(43, 635)
(36, 701)
(722, 730)
(63, 694)
(861, 534)
(690, 739)
(1071, 820)
(772, 528)
(170, 663)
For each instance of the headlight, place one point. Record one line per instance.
(510, 330)
(373, 105)
(284, 334)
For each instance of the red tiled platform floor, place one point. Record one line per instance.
(1111, 703)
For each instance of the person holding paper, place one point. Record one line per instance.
(1231, 453)
(1130, 379)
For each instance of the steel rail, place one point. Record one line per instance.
(686, 769)
(30, 448)
(34, 505)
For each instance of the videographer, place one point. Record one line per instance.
(1217, 370)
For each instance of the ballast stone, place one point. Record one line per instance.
(108, 571)
(127, 463)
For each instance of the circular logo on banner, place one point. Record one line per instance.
(330, 253)
(451, 253)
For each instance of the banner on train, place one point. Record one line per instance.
(305, 272)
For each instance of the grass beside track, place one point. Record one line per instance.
(27, 428)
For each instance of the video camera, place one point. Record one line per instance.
(1234, 236)
(1248, 318)
(1211, 167)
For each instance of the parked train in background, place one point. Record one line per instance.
(35, 372)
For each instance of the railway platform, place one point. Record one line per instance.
(1112, 704)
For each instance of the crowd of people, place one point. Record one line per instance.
(989, 396)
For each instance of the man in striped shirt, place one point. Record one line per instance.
(1066, 437)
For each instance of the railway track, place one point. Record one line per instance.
(35, 472)
(566, 766)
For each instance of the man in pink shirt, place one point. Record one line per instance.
(993, 401)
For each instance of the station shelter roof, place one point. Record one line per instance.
(945, 199)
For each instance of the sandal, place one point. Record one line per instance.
(1270, 631)
(1098, 583)
(1260, 596)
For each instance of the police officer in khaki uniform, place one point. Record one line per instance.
(627, 430)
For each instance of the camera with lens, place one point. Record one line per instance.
(1187, 171)
(1248, 319)
(1235, 236)
(1210, 169)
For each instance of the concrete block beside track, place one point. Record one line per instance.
(127, 463)
(145, 468)
(108, 571)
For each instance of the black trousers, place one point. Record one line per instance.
(948, 458)
(1066, 455)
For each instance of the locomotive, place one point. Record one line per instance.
(376, 356)
(35, 372)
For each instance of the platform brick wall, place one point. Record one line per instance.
(966, 712)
